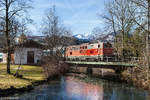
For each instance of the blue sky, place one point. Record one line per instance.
(79, 16)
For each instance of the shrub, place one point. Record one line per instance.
(53, 67)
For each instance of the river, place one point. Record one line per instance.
(69, 88)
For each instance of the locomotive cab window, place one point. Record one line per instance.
(107, 45)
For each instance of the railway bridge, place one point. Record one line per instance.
(118, 66)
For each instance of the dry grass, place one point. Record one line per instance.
(30, 74)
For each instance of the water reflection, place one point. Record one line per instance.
(73, 89)
(83, 91)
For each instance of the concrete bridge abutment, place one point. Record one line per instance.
(89, 71)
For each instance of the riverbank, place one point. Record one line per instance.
(72, 88)
(9, 84)
(137, 77)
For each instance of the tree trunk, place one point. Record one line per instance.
(8, 60)
(147, 37)
(8, 39)
(123, 55)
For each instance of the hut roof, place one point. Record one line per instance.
(30, 44)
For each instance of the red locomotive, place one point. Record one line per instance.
(89, 51)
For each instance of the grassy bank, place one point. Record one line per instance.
(30, 74)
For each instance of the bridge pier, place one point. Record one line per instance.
(89, 71)
(119, 69)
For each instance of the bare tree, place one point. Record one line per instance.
(57, 36)
(119, 19)
(96, 33)
(109, 17)
(19, 49)
(11, 9)
(127, 15)
(56, 39)
(142, 19)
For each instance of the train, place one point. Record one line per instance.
(89, 52)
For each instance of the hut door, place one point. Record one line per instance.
(30, 57)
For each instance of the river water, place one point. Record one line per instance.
(69, 88)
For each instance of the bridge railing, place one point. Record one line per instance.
(130, 60)
(125, 59)
(140, 62)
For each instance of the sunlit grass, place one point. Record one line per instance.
(30, 74)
